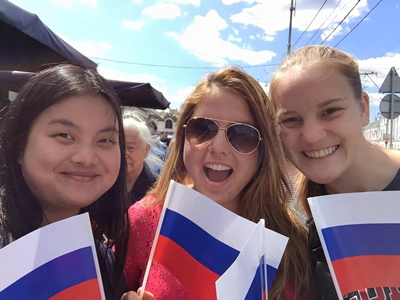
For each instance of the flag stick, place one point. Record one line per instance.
(153, 247)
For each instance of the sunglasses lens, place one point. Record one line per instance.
(243, 138)
(200, 130)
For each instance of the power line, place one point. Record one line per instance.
(394, 38)
(358, 23)
(310, 22)
(367, 74)
(324, 22)
(391, 46)
(358, 1)
(174, 66)
(333, 19)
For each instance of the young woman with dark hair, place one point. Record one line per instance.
(62, 153)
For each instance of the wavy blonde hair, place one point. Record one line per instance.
(304, 59)
(266, 196)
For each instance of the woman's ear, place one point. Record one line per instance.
(364, 106)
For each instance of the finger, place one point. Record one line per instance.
(146, 295)
(130, 296)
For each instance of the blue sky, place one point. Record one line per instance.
(189, 38)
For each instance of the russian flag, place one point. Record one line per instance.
(360, 234)
(56, 262)
(251, 275)
(197, 240)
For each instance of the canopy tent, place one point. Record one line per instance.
(131, 93)
(28, 45)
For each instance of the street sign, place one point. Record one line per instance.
(387, 83)
(386, 137)
(385, 106)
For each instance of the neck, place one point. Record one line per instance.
(373, 170)
(131, 178)
(50, 216)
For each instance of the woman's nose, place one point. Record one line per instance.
(219, 144)
(85, 155)
(313, 132)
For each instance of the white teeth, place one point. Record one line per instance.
(321, 153)
(216, 167)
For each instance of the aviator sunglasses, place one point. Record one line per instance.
(243, 138)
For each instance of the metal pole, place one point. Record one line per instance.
(392, 70)
(289, 46)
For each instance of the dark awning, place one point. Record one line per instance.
(27, 44)
(140, 94)
(131, 93)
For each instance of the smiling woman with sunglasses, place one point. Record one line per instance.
(226, 148)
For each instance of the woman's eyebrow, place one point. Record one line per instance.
(68, 123)
(330, 101)
(64, 122)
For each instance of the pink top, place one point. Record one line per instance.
(164, 286)
(161, 282)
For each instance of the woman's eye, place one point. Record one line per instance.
(290, 120)
(130, 148)
(330, 111)
(107, 141)
(64, 135)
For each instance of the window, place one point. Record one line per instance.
(168, 124)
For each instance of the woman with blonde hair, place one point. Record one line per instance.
(227, 148)
(322, 108)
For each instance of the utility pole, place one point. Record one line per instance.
(289, 46)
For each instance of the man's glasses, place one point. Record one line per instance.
(243, 138)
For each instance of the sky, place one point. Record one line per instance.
(172, 44)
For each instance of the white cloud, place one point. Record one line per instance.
(205, 31)
(162, 11)
(229, 2)
(267, 38)
(273, 16)
(91, 3)
(65, 3)
(380, 65)
(235, 31)
(176, 98)
(69, 3)
(137, 1)
(233, 39)
(252, 37)
(116, 75)
(89, 48)
(192, 2)
(329, 34)
(133, 25)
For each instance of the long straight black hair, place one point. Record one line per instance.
(20, 211)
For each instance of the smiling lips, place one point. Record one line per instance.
(321, 153)
(217, 172)
(81, 177)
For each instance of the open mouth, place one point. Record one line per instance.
(217, 173)
(321, 153)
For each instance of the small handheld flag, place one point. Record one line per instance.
(57, 262)
(359, 234)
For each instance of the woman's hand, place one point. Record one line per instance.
(136, 296)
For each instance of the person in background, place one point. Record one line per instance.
(160, 149)
(165, 139)
(322, 108)
(227, 148)
(60, 157)
(143, 165)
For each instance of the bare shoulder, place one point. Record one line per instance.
(394, 156)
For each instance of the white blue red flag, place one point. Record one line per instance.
(360, 234)
(197, 240)
(56, 262)
(258, 259)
